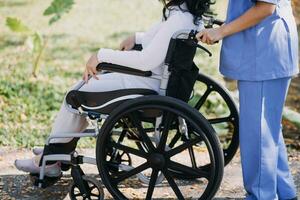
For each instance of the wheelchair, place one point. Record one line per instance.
(154, 145)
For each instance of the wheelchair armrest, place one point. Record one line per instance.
(137, 47)
(122, 69)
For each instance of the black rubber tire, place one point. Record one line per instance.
(231, 150)
(174, 105)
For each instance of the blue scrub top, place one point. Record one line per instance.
(266, 51)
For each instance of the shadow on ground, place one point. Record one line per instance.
(21, 187)
(18, 186)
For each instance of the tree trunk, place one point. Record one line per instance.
(296, 6)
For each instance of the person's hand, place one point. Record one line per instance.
(128, 43)
(90, 68)
(210, 36)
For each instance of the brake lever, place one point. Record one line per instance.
(194, 43)
(204, 49)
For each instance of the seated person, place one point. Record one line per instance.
(177, 15)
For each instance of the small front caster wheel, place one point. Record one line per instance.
(94, 190)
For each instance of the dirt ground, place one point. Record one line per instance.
(17, 185)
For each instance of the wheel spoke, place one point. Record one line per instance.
(149, 129)
(175, 139)
(122, 154)
(192, 156)
(122, 136)
(195, 172)
(131, 173)
(183, 147)
(167, 121)
(127, 149)
(77, 195)
(137, 123)
(93, 187)
(173, 185)
(203, 99)
(219, 120)
(152, 184)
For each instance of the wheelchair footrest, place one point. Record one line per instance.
(47, 182)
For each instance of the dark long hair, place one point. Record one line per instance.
(197, 8)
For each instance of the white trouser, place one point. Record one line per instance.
(67, 122)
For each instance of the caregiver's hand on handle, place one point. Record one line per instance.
(252, 17)
(90, 68)
(210, 36)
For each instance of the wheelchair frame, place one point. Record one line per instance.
(183, 34)
(74, 159)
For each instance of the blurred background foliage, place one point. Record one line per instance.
(44, 46)
(296, 6)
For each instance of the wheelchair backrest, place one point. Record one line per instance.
(183, 71)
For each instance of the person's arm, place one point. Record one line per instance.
(125, 46)
(151, 56)
(138, 37)
(261, 10)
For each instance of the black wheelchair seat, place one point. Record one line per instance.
(104, 102)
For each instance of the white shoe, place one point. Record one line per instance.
(30, 166)
(37, 150)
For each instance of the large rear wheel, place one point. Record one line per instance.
(215, 103)
(152, 124)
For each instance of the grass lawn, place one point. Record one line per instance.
(28, 105)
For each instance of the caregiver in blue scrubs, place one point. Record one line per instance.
(260, 50)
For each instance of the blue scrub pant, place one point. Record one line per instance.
(264, 160)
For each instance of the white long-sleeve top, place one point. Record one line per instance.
(155, 43)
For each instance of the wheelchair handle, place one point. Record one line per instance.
(211, 22)
(194, 42)
(190, 39)
(217, 22)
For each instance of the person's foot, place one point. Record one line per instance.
(31, 166)
(37, 150)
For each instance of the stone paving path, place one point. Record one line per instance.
(17, 185)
